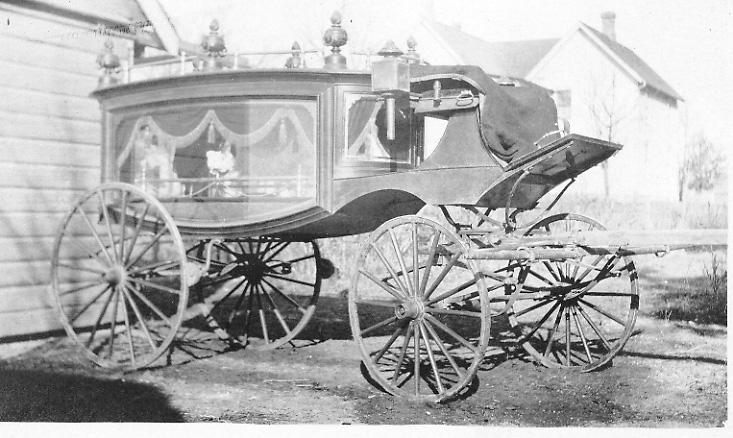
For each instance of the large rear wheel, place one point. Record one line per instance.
(118, 276)
(260, 292)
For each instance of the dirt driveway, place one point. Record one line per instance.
(669, 375)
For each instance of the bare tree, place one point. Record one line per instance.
(608, 111)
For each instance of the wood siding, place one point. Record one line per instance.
(49, 147)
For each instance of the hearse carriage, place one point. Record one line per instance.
(218, 182)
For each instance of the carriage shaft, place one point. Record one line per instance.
(623, 243)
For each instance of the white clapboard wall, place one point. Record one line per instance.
(49, 150)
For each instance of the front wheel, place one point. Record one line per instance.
(416, 338)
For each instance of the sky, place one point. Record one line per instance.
(688, 43)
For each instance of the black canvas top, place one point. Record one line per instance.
(513, 118)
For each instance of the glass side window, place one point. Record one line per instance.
(257, 148)
(366, 130)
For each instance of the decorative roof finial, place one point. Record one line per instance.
(296, 59)
(335, 37)
(109, 62)
(214, 45)
(412, 56)
(390, 49)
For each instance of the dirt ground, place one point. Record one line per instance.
(671, 374)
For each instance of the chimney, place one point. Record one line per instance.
(608, 21)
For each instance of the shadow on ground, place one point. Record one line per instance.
(41, 396)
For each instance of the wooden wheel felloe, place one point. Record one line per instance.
(575, 313)
(416, 338)
(260, 292)
(117, 276)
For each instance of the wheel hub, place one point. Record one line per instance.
(115, 275)
(410, 309)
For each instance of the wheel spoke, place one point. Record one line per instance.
(595, 328)
(452, 292)
(378, 325)
(434, 310)
(84, 286)
(531, 272)
(248, 310)
(431, 358)
(105, 215)
(147, 302)
(544, 302)
(401, 261)
(128, 330)
(294, 303)
(280, 248)
(552, 272)
(302, 258)
(541, 321)
(450, 331)
(442, 275)
(154, 268)
(95, 235)
(430, 262)
(391, 271)
(113, 326)
(123, 215)
(396, 334)
(603, 312)
(415, 263)
(416, 350)
(581, 334)
(229, 294)
(139, 316)
(380, 303)
(275, 310)
(138, 228)
(403, 354)
(80, 268)
(387, 288)
(147, 247)
(101, 314)
(261, 312)
(141, 282)
(596, 293)
(291, 280)
(567, 336)
(551, 335)
(86, 249)
(443, 349)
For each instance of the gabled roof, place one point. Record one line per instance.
(516, 59)
(510, 58)
(632, 61)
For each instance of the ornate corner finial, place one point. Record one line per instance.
(296, 59)
(335, 37)
(213, 43)
(109, 63)
(412, 54)
(390, 49)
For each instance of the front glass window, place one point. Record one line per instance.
(366, 130)
(259, 148)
